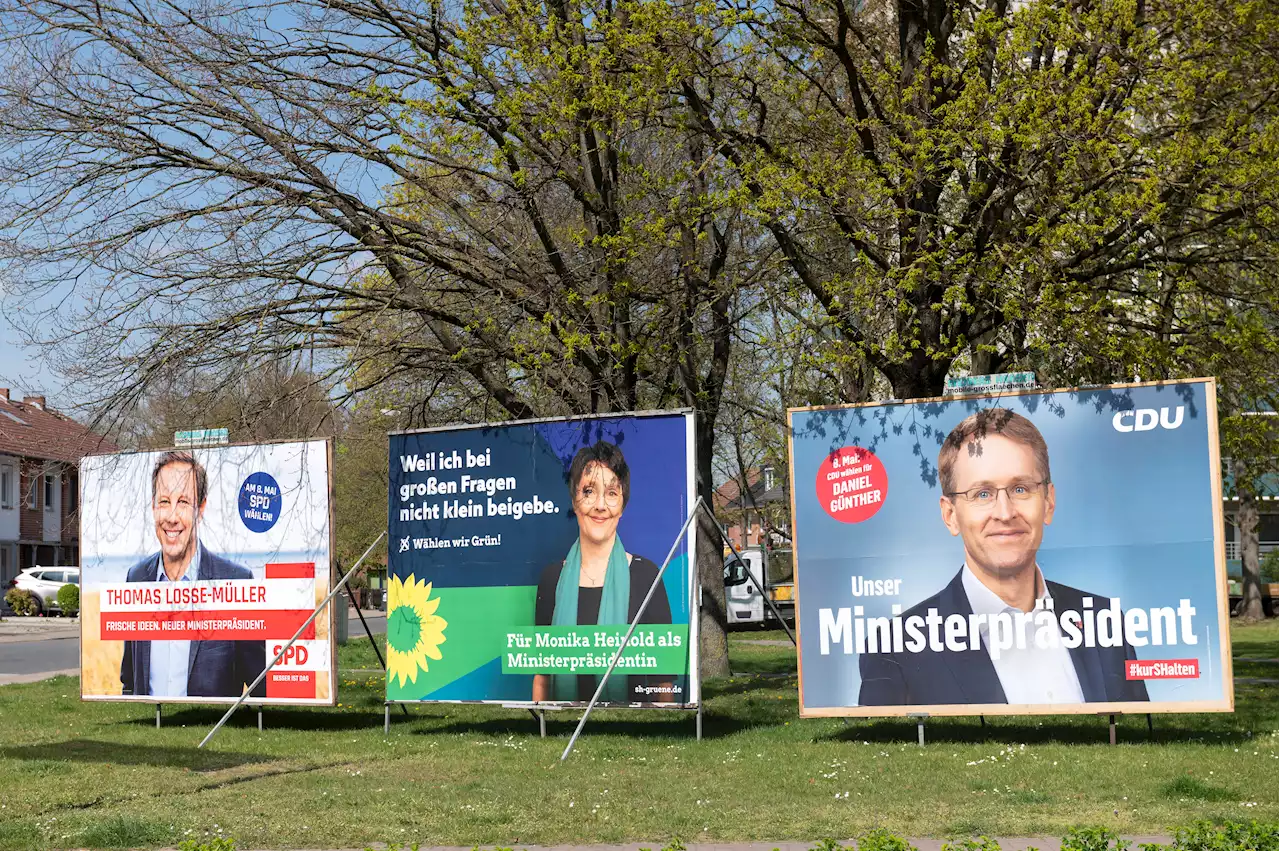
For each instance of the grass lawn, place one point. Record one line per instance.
(101, 775)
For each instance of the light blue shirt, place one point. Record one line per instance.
(1028, 672)
(171, 660)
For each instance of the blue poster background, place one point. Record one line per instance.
(513, 553)
(1134, 518)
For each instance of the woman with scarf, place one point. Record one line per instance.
(599, 582)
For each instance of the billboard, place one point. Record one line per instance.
(1015, 553)
(198, 565)
(518, 553)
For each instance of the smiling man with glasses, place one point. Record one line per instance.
(998, 497)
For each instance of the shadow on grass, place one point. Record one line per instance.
(603, 722)
(750, 682)
(1131, 729)
(273, 718)
(113, 753)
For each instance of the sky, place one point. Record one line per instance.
(20, 368)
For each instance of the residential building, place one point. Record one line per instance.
(40, 452)
(748, 514)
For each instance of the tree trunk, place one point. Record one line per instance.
(713, 640)
(1250, 607)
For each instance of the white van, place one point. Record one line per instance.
(743, 601)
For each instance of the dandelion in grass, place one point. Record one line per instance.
(414, 630)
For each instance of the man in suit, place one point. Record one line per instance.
(997, 497)
(186, 668)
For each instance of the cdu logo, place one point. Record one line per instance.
(1145, 419)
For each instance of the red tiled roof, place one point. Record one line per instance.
(729, 492)
(34, 432)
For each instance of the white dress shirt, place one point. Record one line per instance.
(171, 659)
(1028, 673)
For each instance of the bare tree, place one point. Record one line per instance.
(514, 220)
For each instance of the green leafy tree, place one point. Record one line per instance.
(1000, 185)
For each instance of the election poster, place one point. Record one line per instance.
(519, 553)
(198, 565)
(1026, 552)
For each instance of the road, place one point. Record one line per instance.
(24, 661)
(25, 658)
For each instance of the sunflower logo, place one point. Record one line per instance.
(414, 630)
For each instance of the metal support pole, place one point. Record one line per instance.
(1112, 726)
(699, 721)
(333, 593)
(613, 663)
(259, 719)
(386, 719)
(1151, 727)
(157, 716)
(983, 720)
(763, 594)
(542, 724)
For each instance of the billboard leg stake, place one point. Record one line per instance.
(699, 722)
(259, 719)
(280, 655)
(157, 716)
(1112, 726)
(613, 663)
(1151, 728)
(386, 718)
(920, 717)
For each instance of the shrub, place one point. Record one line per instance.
(1092, 839)
(69, 598)
(1269, 566)
(1232, 836)
(22, 601)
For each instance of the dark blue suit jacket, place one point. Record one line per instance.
(216, 668)
(948, 677)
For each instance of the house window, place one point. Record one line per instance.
(50, 486)
(6, 486)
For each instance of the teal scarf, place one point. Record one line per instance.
(614, 598)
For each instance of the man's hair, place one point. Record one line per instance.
(991, 422)
(202, 479)
(607, 455)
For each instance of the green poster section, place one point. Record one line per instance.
(478, 619)
(653, 649)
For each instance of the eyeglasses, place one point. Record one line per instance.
(985, 495)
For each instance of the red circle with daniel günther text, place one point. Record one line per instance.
(852, 484)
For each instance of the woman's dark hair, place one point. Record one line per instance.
(607, 455)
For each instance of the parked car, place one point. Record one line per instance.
(44, 583)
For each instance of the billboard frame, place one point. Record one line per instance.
(257, 702)
(694, 675)
(919, 711)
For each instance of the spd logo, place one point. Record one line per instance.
(1146, 419)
